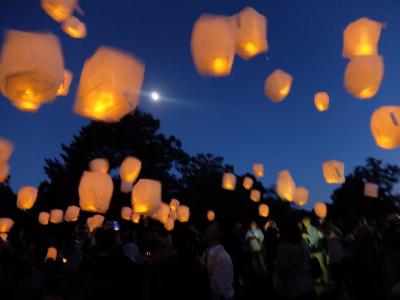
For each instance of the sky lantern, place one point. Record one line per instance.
(248, 183)
(174, 204)
(26, 197)
(320, 210)
(6, 224)
(44, 217)
(385, 126)
(210, 215)
(74, 28)
(129, 172)
(162, 213)
(173, 214)
(250, 32)
(258, 170)
(229, 181)
(63, 89)
(321, 101)
(183, 213)
(99, 165)
(255, 195)
(300, 196)
(361, 38)
(95, 192)
(146, 196)
(56, 216)
(213, 45)
(95, 222)
(59, 10)
(109, 86)
(32, 69)
(51, 254)
(4, 171)
(136, 218)
(334, 171)
(363, 76)
(285, 186)
(263, 210)
(169, 225)
(371, 190)
(277, 85)
(72, 213)
(126, 213)
(6, 149)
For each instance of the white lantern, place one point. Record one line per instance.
(385, 126)
(285, 186)
(183, 214)
(72, 213)
(146, 196)
(56, 216)
(258, 170)
(334, 172)
(6, 149)
(6, 224)
(229, 181)
(263, 210)
(126, 213)
(301, 196)
(371, 190)
(277, 85)
(255, 195)
(99, 165)
(26, 197)
(211, 215)
(44, 218)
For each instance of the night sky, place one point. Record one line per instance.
(225, 116)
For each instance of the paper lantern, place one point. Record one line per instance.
(162, 213)
(321, 101)
(56, 216)
(385, 126)
(26, 197)
(173, 214)
(361, 38)
(146, 196)
(99, 165)
(95, 222)
(4, 171)
(248, 183)
(136, 218)
(169, 225)
(334, 172)
(371, 190)
(211, 215)
(4, 236)
(183, 214)
(250, 32)
(51, 254)
(258, 170)
(174, 204)
(255, 195)
(109, 86)
(59, 10)
(63, 89)
(229, 181)
(72, 213)
(32, 69)
(285, 186)
(277, 85)
(363, 76)
(263, 210)
(44, 218)
(74, 28)
(300, 196)
(320, 210)
(130, 169)
(126, 213)
(6, 224)
(213, 45)
(6, 149)
(95, 192)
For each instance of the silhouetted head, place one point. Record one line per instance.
(213, 233)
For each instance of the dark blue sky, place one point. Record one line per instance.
(226, 116)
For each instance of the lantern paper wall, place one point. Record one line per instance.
(250, 32)
(363, 76)
(59, 10)
(258, 170)
(4, 171)
(277, 85)
(99, 165)
(333, 171)
(321, 101)
(255, 195)
(6, 149)
(169, 225)
(285, 186)
(44, 218)
(56, 216)
(229, 181)
(361, 38)
(51, 254)
(4, 236)
(126, 213)
(63, 89)
(163, 213)
(263, 210)
(130, 169)
(183, 214)
(300, 196)
(320, 210)
(248, 183)
(95, 192)
(146, 196)
(109, 86)
(72, 213)
(95, 222)
(6, 224)
(385, 126)
(136, 218)
(32, 69)
(211, 215)
(213, 45)
(371, 190)
(74, 28)
(26, 197)
(174, 204)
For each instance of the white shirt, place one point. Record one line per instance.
(255, 237)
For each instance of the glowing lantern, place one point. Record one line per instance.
(385, 126)
(320, 210)
(4, 236)
(371, 190)
(300, 196)
(248, 183)
(44, 218)
(363, 76)
(229, 181)
(4, 171)
(174, 204)
(63, 89)
(210, 215)
(126, 213)
(32, 69)
(285, 186)
(163, 213)
(59, 10)
(183, 214)
(72, 213)
(255, 195)
(74, 28)
(95, 192)
(334, 171)
(136, 218)
(213, 46)
(26, 197)
(129, 171)
(56, 216)
(169, 225)
(95, 222)
(99, 165)
(321, 101)
(6, 149)
(146, 196)
(6, 224)
(258, 170)
(250, 31)
(263, 210)
(109, 86)
(361, 38)
(277, 85)
(51, 254)
(173, 214)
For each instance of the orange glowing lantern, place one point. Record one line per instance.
(146, 196)
(169, 225)
(95, 222)
(59, 10)
(300, 196)
(26, 197)
(6, 224)
(6, 149)
(263, 210)
(321, 101)
(385, 126)
(258, 170)
(248, 183)
(51, 254)
(44, 218)
(129, 172)
(56, 216)
(183, 214)
(136, 218)
(255, 195)
(4, 171)
(174, 204)
(333, 172)
(277, 85)
(63, 89)
(4, 236)
(229, 181)
(162, 213)
(320, 210)
(173, 214)
(126, 213)
(99, 165)
(211, 215)
(74, 28)
(371, 190)
(72, 213)
(285, 186)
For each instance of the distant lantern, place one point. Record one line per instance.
(285, 186)
(4, 171)
(6, 224)
(136, 218)
(174, 204)
(95, 192)
(56, 216)
(183, 214)
(109, 86)
(300, 196)
(51, 254)
(248, 183)
(363, 76)
(162, 213)
(32, 69)
(63, 89)
(229, 181)
(333, 171)
(99, 165)
(129, 172)
(250, 32)
(385, 126)
(146, 196)
(26, 197)
(59, 10)
(6, 149)
(321, 101)
(263, 210)
(320, 210)
(4, 236)
(361, 38)
(126, 213)
(72, 213)
(258, 170)
(211, 215)
(74, 28)
(277, 85)
(95, 222)
(169, 225)
(371, 190)
(255, 195)
(213, 45)
(44, 218)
